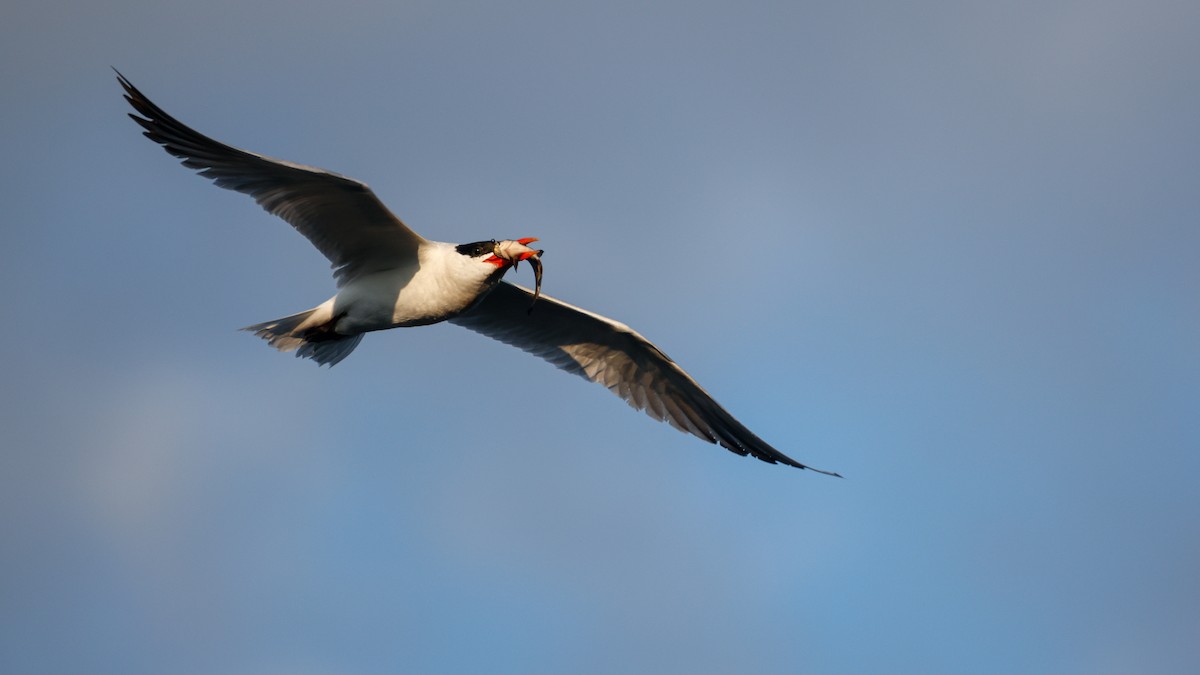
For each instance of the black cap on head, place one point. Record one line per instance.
(477, 248)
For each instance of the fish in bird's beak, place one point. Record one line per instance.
(516, 251)
(535, 261)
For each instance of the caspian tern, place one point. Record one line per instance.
(389, 276)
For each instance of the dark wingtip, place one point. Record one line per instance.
(132, 95)
(790, 462)
(784, 459)
(128, 86)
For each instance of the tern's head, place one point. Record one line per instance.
(505, 254)
(500, 253)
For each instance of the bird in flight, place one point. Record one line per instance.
(389, 276)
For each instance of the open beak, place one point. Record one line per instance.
(516, 251)
(526, 254)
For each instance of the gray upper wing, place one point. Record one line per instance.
(342, 217)
(610, 353)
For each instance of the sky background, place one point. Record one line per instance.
(948, 249)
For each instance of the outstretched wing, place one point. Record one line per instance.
(610, 353)
(341, 216)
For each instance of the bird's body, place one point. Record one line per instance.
(438, 285)
(388, 277)
(435, 285)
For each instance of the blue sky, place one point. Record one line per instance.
(946, 249)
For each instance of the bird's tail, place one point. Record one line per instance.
(310, 334)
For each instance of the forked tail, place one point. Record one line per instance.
(309, 334)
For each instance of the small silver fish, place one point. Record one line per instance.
(535, 261)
